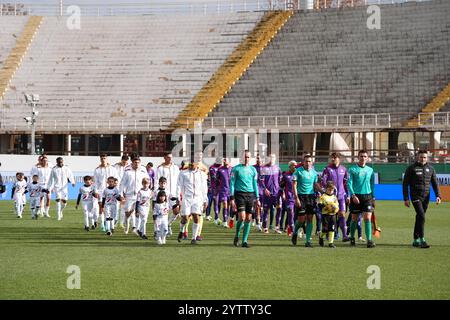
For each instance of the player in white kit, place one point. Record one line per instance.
(193, 187)
(59, 180)
(170, 171)
(120, 169)
(129, 187)
(101, 174)
(43, 169)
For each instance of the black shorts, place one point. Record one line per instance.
(328, 222)
(245, 201)
(308, 204)
(365, 204)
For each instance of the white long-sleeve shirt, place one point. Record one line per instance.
(101, 175)
(120, 169)
(60, 178)
(171, 173)
(193, 185)
(131, 181)
(43, 173)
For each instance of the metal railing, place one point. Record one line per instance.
(434, 120)
(361, 122)
(299, 122)
(174, 7)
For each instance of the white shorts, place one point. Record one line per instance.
(162, 225)
(34, 202)
(110, 211)
(19, 198)
(143, 211)
(189, 206)
(130, 205)
(88, 206)
(61, 194)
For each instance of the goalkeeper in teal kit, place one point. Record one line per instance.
(244, 195)
(361, 185)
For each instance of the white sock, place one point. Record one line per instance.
(102, 219)
(46, 210)
(144, 226)
(127, 223)
(86, 219)
(122, 216)
(133, 220)
(139, 222)
(194, 230)
(58, 209)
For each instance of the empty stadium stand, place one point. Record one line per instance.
(121, 68)
(329, 62)
(17, 41)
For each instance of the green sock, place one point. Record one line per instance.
(331, 237)
(238, 228)
(246, 231)
(297, 227)
(353, 225)
(422, 240)
(368, 229)
(309, 227)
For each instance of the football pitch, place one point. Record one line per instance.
(35, 256)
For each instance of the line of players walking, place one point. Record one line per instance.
(124, 194)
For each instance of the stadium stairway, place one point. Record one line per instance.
(231, 70)
(435, 105)
(13, 61)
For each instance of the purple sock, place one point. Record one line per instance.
(343, 227)
(290, 217)
(216, 206)
(359, 227)
(225, 213)
(272, 214)
(208, 208)
(278, 217)
(264, 217)
(282, 214)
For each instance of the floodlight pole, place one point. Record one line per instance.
(32, 100)
(33, 128)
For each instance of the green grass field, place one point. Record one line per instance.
(35, 255)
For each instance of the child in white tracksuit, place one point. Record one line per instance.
(18, 194)
(161, 211)
(111, 196)
(35, 190)
(87, 196)
(143, 201)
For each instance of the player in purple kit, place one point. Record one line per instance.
(258, 167)
(338, 174)
(287, 192)
(151, 174)
(213, 195)
(270, 176)
(223, 188)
